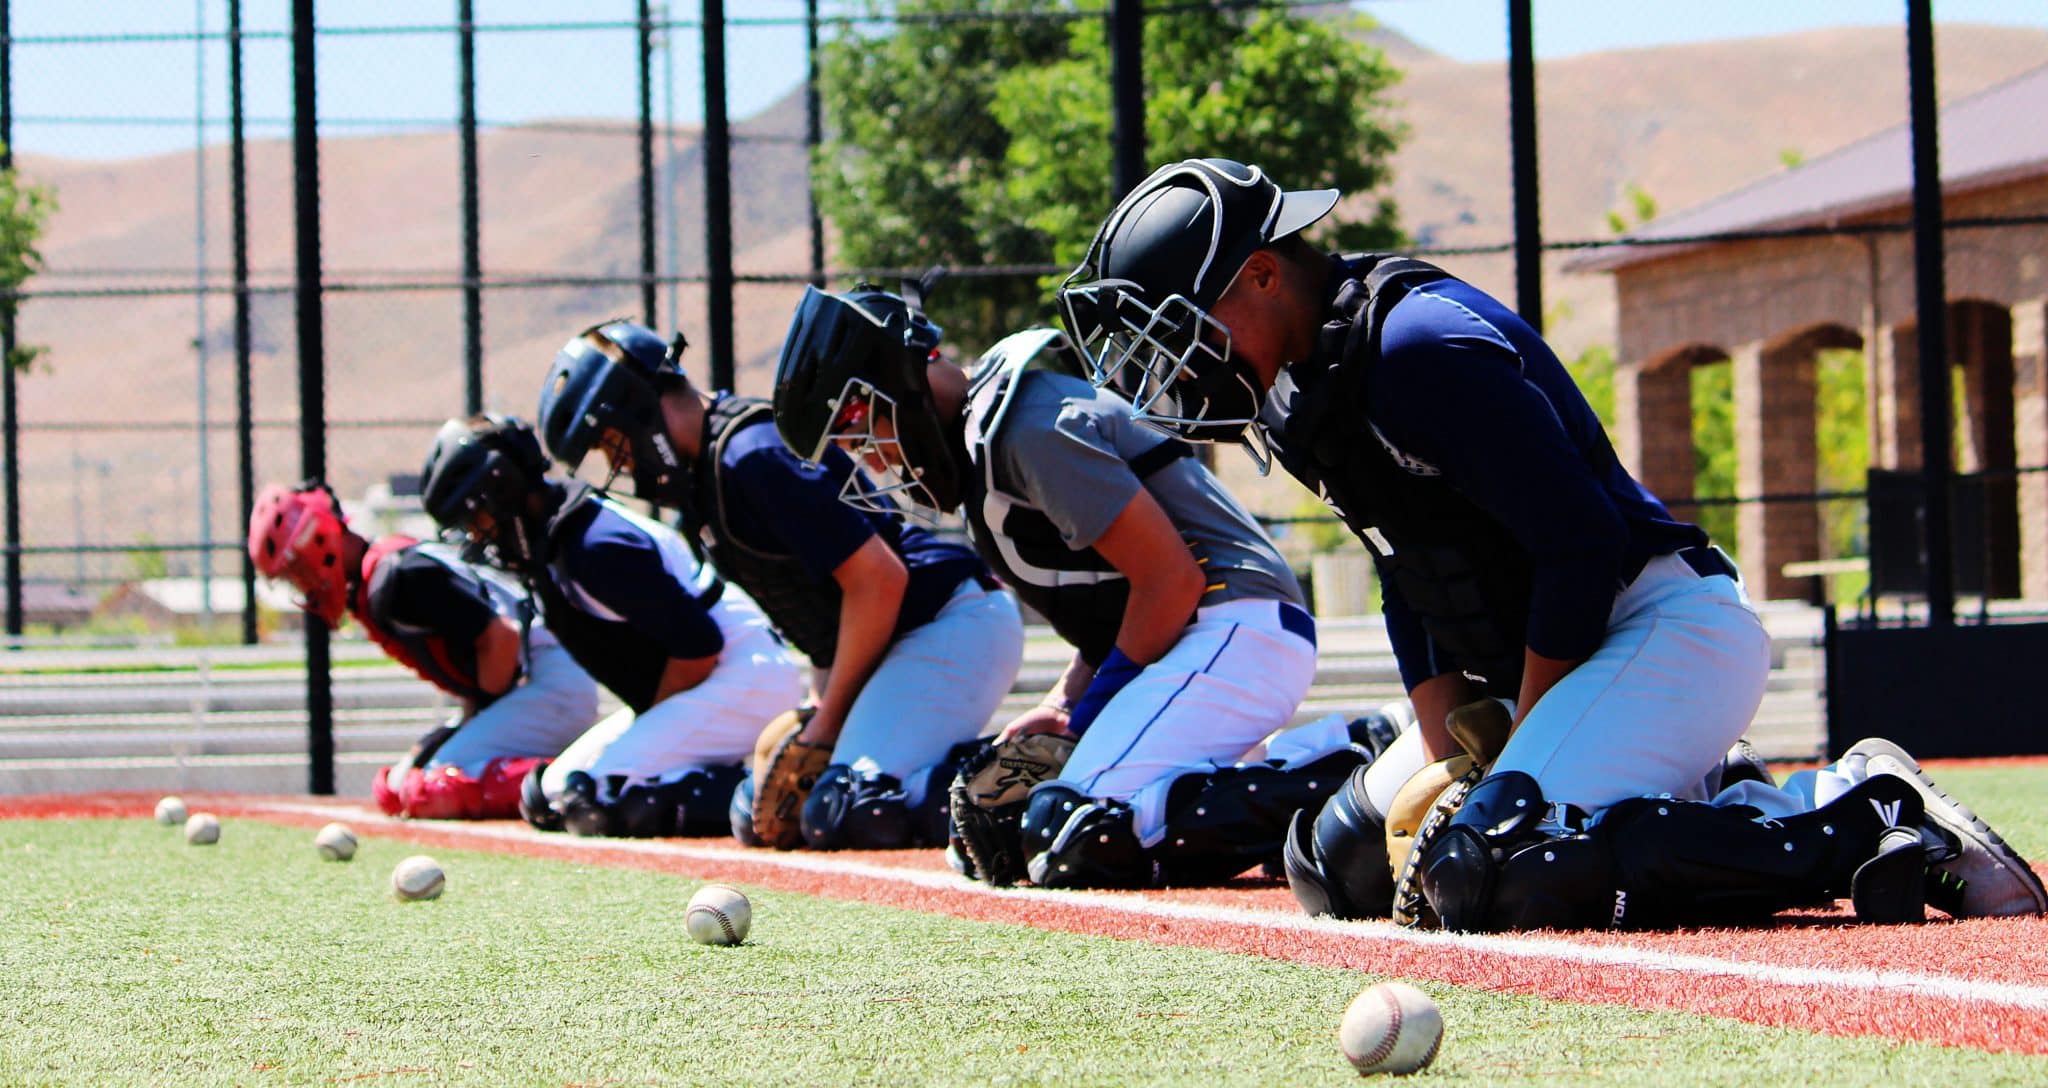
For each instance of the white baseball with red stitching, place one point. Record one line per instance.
(718, 914)
(1391, 1027)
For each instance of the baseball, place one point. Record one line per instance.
(1391, 1027)
(418, 877)
(170, 811)
(335, 842)
(718, 914)
(203, 829)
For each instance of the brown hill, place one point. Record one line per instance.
(1683, 122)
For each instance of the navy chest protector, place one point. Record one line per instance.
(627, 663)
(1078, 592)
(804, 609)
(1457, 568)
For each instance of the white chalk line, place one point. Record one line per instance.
(1550, 949)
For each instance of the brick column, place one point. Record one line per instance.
(2030, 431)
(1653, 425)
(1895, 397)
(1774, 450)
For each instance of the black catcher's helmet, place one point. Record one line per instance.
(610, 378)
(478, 479)
(853, 371)
(1138, 306)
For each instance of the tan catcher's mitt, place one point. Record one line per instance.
(988, 799)
(785, 769)
(1424, 805)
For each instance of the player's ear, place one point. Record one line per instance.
(1261, 272)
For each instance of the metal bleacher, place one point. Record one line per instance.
(84, 719)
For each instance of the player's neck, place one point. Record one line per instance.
(683, 412)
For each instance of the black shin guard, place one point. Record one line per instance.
(1232, 819)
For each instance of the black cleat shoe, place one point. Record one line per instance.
(1996, 881)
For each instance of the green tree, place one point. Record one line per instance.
(1842, 433)
(1593, 372)
(1713, 449)
(24, 210)
(978, 141)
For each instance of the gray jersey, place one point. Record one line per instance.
(1060, 446)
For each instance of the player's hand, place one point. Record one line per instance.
(1039, 719)
(823, 728)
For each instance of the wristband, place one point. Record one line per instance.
(1116, 671)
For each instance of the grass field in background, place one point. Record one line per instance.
(131, 958)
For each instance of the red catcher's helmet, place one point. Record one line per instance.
(296, 533)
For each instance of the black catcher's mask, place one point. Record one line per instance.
(478, 480)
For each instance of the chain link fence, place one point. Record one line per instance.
(877, 140)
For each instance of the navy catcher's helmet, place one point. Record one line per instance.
(1138, 305)
(610, 379)
(853, 370)
(478, 479)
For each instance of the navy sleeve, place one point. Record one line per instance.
(799, 505)
(621, 571)
(1415, 652)
(1453, 391)
(425, 594)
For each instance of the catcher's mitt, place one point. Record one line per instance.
(785, 769)
(988, 798)
(1426, 802)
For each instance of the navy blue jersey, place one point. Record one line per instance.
(1465, 389)
(777, 503)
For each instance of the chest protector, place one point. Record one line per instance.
(627, 664)
(1457, 568)
(444, 664)
(1078, 592)
(804, 609)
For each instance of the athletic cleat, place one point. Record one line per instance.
(1996, 881)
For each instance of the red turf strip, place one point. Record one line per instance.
(1985, 950)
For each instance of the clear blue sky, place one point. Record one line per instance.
(108, 100)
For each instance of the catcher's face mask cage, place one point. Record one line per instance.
(1171, 361)
(864, 425)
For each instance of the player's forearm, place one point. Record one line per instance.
(1434, 699)
(1539, 675)
(1068, 688)
(867, 623)
(497, 657)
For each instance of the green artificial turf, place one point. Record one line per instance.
(128, 957)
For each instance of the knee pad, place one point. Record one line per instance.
(1460, 866)
(1221, 823)
(860, 812)
(501, 781)
(1336, 856)
(1078, 842)
(441, 793)
(694, 804)
(533, 804)
(384, 793)
(740, 813)
(582, 813)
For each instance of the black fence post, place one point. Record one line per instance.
(472, 239)
(647, 272)
(1930, 291)
(238, 199)
(717, 198)
(312, 356)
(1127, 94)
(1522, 139)
(10, 417)
(814, 134)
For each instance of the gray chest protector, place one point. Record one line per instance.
(1078, 592)
(1456, 566)
(804, 609)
